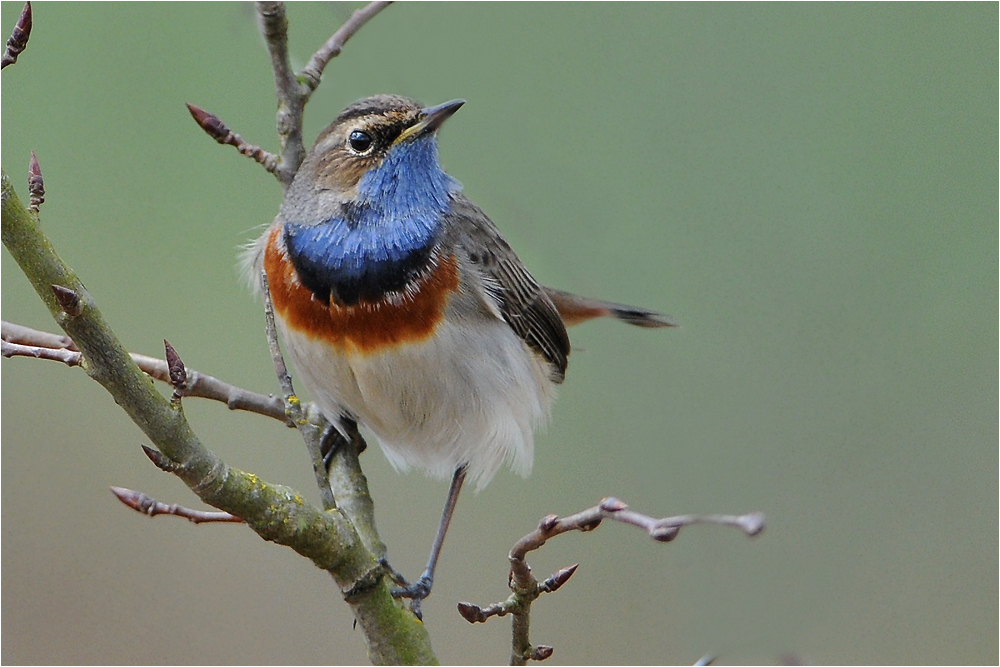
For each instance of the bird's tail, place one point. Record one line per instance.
(574, 309)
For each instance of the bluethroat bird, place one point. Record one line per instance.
(403, 308)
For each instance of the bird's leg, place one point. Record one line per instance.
(422, 587)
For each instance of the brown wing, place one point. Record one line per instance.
(523, 304)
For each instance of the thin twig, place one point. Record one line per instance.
(291, 100)
(274, 25)
(143, 504)
(215, 128)
(661, 530)
(271, 330)
(526, 589)
(21, 341)
(313, 71)
(68, 357)
(313, 429)
(18, 39)
(16, 333)
(339, 478)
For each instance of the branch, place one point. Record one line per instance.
(143, 504)
(21, 341)
(350, 487)
(526, 588)
(276, 513)
(291, 99)
(292, 92)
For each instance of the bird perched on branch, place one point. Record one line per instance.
(404, 309)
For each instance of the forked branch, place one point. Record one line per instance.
(276, 513)
(21, 341)
(526, 589)
(292, 90)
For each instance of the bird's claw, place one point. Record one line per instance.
(394, 574)
(416, 592)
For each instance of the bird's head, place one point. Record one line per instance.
(363, 212)
(377, 145)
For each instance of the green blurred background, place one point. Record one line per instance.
(811, 191)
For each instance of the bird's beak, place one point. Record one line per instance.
(433, 117)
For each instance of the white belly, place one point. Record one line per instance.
(471, 395)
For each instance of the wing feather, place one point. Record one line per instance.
(521, 301)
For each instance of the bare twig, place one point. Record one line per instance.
(526, 589)
(36, 185)
(16, 333)
(18, 39)
(215, 128)
(143, 504)
(291, 101)
(68, 357)
(312, 430)
(473, 613)
(274, 26)
(21, 341)
(476, 614)
(661, 530)
(271, 330)
(313, 71)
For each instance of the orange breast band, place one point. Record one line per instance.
(364, 327)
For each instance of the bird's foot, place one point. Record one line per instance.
(332, 440)
(415, 592)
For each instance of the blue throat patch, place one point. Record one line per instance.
(381, 241)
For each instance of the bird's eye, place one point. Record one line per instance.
(360, 141)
